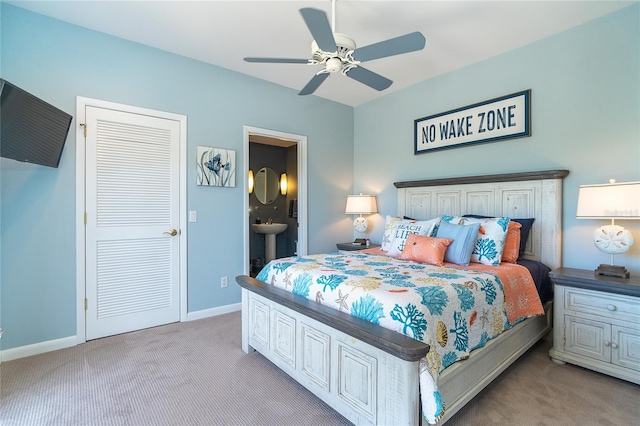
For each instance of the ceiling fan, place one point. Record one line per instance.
(338, 52)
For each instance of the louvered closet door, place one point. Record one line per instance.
(133, 203)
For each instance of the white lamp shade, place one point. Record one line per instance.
(361, 204)
(609, 201)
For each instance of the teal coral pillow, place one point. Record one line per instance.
(464, 240)
(524, 230)
(490, 241)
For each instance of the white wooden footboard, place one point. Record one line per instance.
(364, 383)
(367, 384)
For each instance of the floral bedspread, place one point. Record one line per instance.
(454, 310)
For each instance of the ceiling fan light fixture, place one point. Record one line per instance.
(334, 64)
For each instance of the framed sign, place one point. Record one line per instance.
(506, 117)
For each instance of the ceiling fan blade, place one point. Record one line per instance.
(394, 46)
(277, 60)
(313, 84)
(318, 25)
(370, 78)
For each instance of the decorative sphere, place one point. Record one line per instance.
(360, 224)
(612, 239)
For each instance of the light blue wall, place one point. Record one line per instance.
(57, 62)
(586, 110)
(585, 86)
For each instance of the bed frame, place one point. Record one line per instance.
(370, 374)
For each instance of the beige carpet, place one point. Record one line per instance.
(195, 373)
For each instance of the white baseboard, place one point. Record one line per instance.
(37, 348)
(212, 312)
(67, 342)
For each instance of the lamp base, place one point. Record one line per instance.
(612, 271)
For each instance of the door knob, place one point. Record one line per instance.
(172, 232)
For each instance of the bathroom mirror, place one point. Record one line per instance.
(266, 185)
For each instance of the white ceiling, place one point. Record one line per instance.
(458, 33)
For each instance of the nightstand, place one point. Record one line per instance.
(596, 322)
(353, 247)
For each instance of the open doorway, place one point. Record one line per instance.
(274, 159)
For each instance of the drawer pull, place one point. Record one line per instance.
(612, 307)
(607, 343)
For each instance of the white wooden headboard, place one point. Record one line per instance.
(516, 195)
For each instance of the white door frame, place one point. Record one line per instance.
(302, 187)
(81, 104)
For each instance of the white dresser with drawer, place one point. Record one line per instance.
(596, 322)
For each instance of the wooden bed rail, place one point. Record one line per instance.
(394, 343)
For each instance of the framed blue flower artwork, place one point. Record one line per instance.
(215, 167)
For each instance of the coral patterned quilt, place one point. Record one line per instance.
(452, 309)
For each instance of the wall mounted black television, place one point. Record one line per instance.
(31, 130)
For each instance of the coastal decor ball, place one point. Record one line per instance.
(612, 239)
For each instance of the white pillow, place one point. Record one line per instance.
(388, 231)
(404, 227)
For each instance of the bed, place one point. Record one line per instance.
(370, 374)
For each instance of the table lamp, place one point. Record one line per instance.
(610, 201)
(361, 204)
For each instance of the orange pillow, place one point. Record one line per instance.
(425, 249)
(511, 249)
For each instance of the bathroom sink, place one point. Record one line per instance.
(269, 228)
